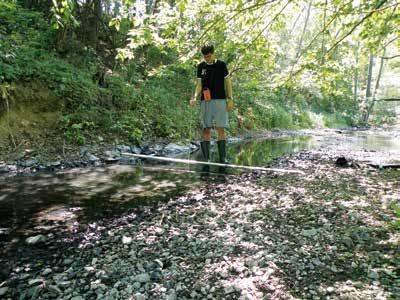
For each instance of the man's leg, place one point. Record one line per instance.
(221, 133)
(221, 122)
(207, 134)
(206, 123)
(205, 144)
(221, 144)
(205, 149)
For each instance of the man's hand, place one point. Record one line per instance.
(229, 105)
(192, 102)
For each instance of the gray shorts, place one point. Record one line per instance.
(214, 113)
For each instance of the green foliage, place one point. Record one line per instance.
(123, 96)
(384, 113)
(149, 65)
(63, 14)
(396, 209)
(131, 126)
(27, 43)
(336, 120)
(74, 134)
(166, 94)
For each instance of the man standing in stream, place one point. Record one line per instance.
(214, 90)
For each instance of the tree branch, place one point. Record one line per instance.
(391, 57)
(355, 26)
(391, 41)
(338, 42)
(389, 99)
(360, 11)
(238, 12)
(261, 32)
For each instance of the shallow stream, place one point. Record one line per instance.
(57, 201)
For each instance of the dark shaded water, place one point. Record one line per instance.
(46, 202)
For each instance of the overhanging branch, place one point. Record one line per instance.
(355, 26)
(390, 57)
(389, 99)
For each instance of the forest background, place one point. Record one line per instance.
(78, 72)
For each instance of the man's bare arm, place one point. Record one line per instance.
(197, 93)
(228, 87)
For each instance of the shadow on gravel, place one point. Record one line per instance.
(326, 234)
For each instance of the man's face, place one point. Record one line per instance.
(209, 57)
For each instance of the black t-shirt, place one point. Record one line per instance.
(212, 77)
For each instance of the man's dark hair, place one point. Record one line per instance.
(207, 48)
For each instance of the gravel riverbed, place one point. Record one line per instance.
(327, 234)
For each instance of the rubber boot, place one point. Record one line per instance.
(205, 149)
(222, 159)
(222, 151)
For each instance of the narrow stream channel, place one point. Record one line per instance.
(56, 201)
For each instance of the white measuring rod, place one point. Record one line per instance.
(196, 162)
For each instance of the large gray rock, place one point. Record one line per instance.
(93, 158)
(111, 160)
(142, 278)
(68, 261)
(126, 240)
(175, 149)
(64, 284)
(55, 164)
(30, 163)
(35, 281)
(234, 140)
(348, 241)
(124, 148)
(54, 289)
(10, 168)
(139, 296)
(47, 271)
(171, 296)
(83, 150)
(5, 231)
(33, 240)
(136, 150)
(3, 291)
(112, 154)
(309, 232)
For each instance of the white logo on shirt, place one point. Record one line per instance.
(203, 72)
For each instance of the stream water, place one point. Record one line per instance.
(56, 201)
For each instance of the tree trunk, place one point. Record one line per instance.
(61, 39)
(355, 97)
(150, 6)
(368, 92)
(95, 23)
(371, 106)
(378, 80)
(323, 49)
(295, 23)
(304, 30)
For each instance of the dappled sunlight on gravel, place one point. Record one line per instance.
(325, 235)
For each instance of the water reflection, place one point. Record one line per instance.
(262, 152)
(49, 201)
(375, 142)
(254, 152)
